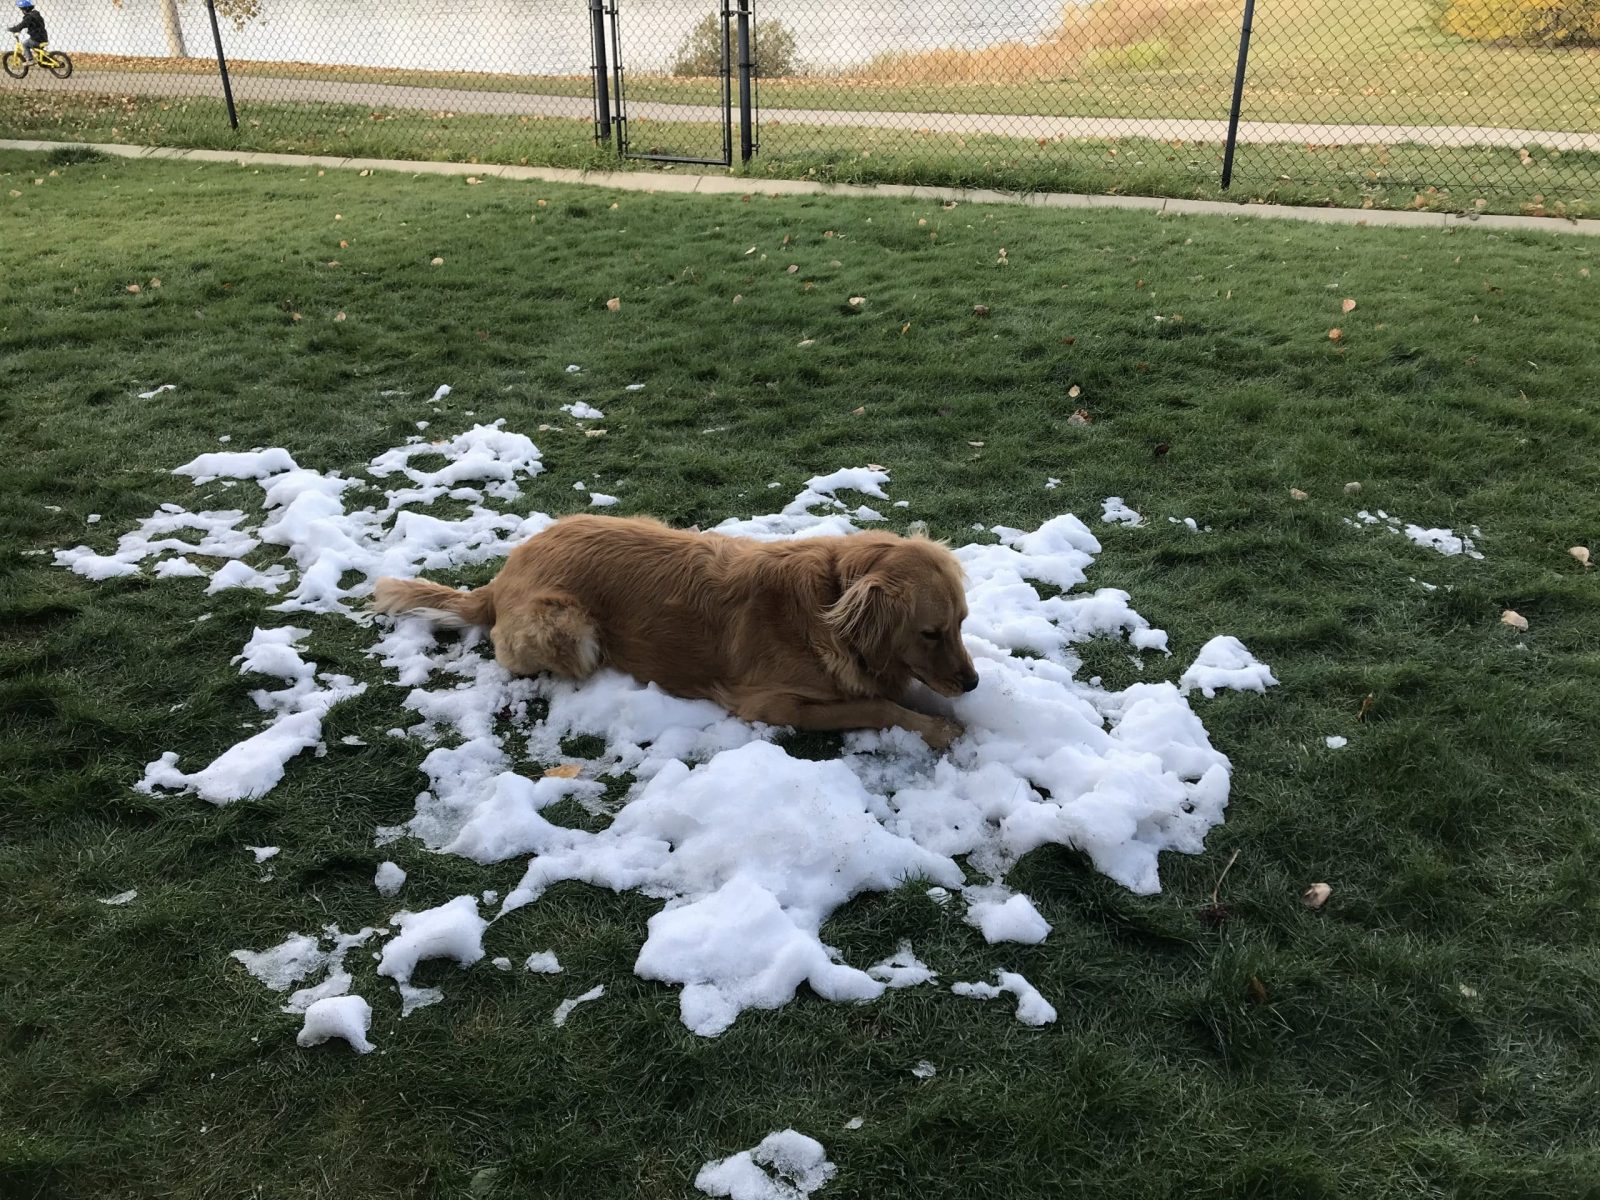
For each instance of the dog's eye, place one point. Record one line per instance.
(931, 634)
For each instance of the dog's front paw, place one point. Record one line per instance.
(939, 733)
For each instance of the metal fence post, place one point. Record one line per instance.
(222, 65)
(602, 94)
(1238, 92)
(746, 133)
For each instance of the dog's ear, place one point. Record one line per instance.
(866, 617)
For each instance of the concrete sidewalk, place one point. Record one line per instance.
(737, 185)
(251, 87)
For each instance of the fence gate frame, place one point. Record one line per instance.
(737, 28)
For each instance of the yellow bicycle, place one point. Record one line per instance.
(16, 61)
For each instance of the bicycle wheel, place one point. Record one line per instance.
(16, 66)
(62, 67)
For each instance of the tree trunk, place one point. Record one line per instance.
(173, 29)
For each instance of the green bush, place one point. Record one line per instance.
(700, 53)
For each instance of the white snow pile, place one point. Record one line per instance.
(1445, 541)
(1224, 662)
(346, 1017)
(783, 1166)
(1032, 1008)
(748, 849)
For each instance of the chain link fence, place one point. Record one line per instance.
(1486, 104)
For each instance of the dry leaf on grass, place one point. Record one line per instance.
(134, 289)
(155, 283)
(614, 304)
(1348, 305)
(437, 262)
(594, 433)
(980, 310)
(857, 301)
(904, 329)
(473, 179)
(1316, 895)
(1350, 489)
(976, 445)
(1581, 553)
(1080, 416)
(808, 342)
(1367, 702)
(564, 771)
(1335, 335)
(1297, 494)
(338, 316)
(343, 245)
(1514, 619)
(859, 412)
(738, 299)
(1257, 990)
(876, 467)
(792, 269)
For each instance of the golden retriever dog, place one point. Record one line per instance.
(819, 633)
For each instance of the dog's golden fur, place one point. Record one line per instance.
(820, 633)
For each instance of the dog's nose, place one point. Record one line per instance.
(968, 684)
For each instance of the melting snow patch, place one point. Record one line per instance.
(748, 849)
(924, 1070)
(1223, 662)
(902, 969)
(601, 500)
(564, 1009)
(151, 395)
(1115, 512)
(543, 963)
(344, 1017)
(583, 412)
(121, 898)
(1335, 742)
(389, 879)
(1032, 1008)
(784, 1166)
(1445, 541)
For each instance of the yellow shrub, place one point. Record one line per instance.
(1524, 22)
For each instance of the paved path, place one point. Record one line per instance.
(248, 88)
(733, 185)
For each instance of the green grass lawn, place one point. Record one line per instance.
(1550, 183)
(1431, 1033)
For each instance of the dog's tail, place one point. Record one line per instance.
(433, 601)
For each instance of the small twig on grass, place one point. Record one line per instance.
(1214, 891)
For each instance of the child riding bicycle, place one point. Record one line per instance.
(31, 27)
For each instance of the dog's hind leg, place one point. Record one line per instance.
(547, 631)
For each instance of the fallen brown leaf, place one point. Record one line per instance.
(980, 310)
(858, 301)
(859, 412)
(1350, 489)
(1073, 392)
(564, 771)
(1335, 335)
(594, 433)
(1514, 619)
(1080, 416)
(904, 329)
(1581, 553)
(1367, 703)
(738, 299)
(437, 262)
(1297, 494)
(1348, 305)
(976, 445)
(134, 289)
(614, 304)
(793, 268)
(338, 316)
(1257, 990)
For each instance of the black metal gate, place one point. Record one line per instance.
(680, 123)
